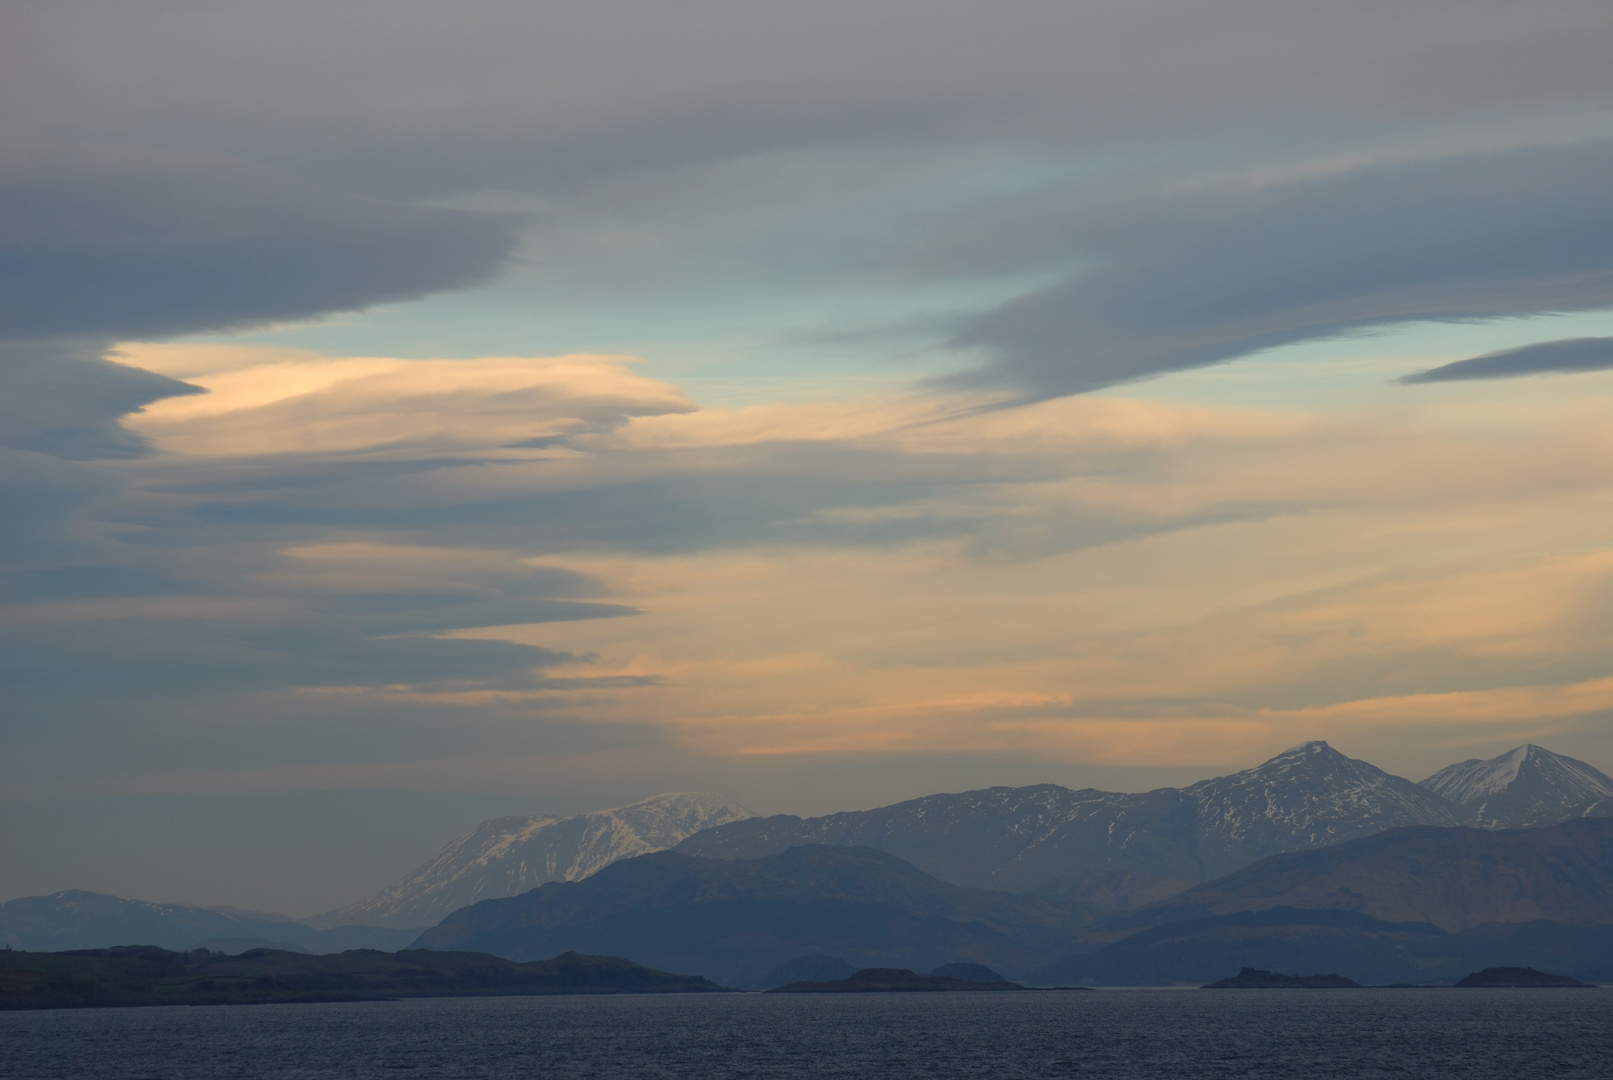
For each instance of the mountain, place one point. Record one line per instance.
(144, 975)
(1013, 839)
(509, 855)
(1354, 945)
(1307, 797)
(1524, 787)
(1107, 849)
(1454, 879)
(86, 920)
(1519, 978)
(736, 921)
(816, 968)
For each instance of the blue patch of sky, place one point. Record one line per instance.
(809, 274)
(770, 276)
(1359, 369)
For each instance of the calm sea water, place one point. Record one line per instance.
(1115, 1033)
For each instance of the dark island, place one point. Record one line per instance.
(1255, 979)
(147, 975)
(1515, 976)
(891, 980)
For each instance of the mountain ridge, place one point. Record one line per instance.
(1453, 878)
(1526, 786)
(736, 921)
(509, 855)
(1130, 848)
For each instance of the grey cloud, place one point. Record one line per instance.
(1546, 358)
(62, 399)
(1171, 281)
(59, 417)
(141, 243)
(419, 99)
(662, 501)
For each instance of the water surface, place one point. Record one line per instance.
(1110, 1033)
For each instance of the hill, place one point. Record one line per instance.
(143, 975)
(1349, 943)
(1453, 879)
(739, 920)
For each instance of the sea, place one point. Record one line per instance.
(1101, 1033)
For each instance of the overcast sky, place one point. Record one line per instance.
(415, 412)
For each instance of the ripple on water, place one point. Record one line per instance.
(1113, 1034)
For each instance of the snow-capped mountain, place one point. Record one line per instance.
(1525, 787)
(1308, 796)
(510, 855)
(1106, 848)
(1013, 839)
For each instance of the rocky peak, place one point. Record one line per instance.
(1526, 786)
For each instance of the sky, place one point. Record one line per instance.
(414, 413)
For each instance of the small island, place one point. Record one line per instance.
(1519, 977)
(892, 980)
(147, 975)
(1255, 979)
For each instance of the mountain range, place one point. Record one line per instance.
(1368, 950)
(510, 855)
(736, 921)
(1455, 879)
(1415, 905)
(1111, 849)
(1310, 830)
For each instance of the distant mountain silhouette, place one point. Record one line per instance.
(738, 921)
(1454, 879)
(1087, 868)
(1107, 849)
(1519, 977)
(510, 855)
(814, 968)
(1528, 786)
(145, 975)
(86, 920)
(1409, 905)
(1354, 945)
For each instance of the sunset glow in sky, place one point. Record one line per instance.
(417, 412)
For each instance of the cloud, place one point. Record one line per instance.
(294, 569)
(62, 399)
(1171, 279)
(1444, 168)
(416, 100)
(383, 562)
(272, 402)
(1546, 358)
(139, 242)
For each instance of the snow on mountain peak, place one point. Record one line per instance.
(509, 855)
(1307, 796)
(1528, 785)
